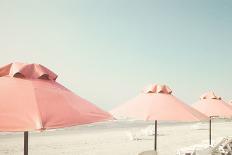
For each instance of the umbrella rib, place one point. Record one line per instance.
(37, 107)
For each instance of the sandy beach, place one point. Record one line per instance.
(113, 138)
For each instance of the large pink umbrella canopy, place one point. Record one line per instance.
(156, 102)
(212, 105)
(31, 99)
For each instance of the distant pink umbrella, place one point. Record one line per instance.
(31, 99)
(212, 106)
(156, 102)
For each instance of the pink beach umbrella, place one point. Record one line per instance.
(212, 106)
(31, 99)
(156, 102)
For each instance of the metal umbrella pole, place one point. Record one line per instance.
(155, 138)
(210, 120)
(25, 142)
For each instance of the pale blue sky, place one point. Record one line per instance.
(108, 50)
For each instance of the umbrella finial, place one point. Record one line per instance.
(30, 71)
(157, 88)
(210, 95)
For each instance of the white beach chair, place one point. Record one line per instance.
(141, 134)
(133, 135)
(148, 131)
(226, 148)
(205, 149)
(212, 150)
(149, 152)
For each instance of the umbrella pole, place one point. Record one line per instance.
(155, 138)
(210, 130)
(25, 142)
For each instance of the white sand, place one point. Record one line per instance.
(111, 139)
